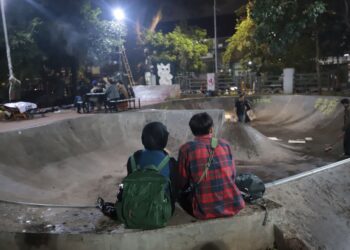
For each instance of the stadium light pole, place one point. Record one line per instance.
(215, 40)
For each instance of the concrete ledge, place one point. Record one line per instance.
(244, 231)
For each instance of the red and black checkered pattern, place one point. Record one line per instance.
(217, 195)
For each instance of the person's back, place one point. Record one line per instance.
(215, 194)
(122, 90)
(147, 193)
(112, 92)
(146, 201)
(147, 157)
(242, 106)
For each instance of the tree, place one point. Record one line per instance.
(59, 35)
(242, 45)
(25, 54)
(102, 36)
(182, 47)
(280, 24)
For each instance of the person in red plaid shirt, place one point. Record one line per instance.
(215, 194)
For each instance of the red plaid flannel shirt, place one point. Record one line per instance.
(217, 195)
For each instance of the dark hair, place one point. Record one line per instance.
(155, 136)
(201, 124)
(344, 101)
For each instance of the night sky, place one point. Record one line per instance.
(195, 12)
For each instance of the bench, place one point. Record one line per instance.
(124, 104)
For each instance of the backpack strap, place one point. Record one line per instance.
(213, 144)
(133, 164)
(163, 163)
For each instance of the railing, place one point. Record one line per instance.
(304, 83)
(266, 84)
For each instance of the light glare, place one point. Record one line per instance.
(119, 14)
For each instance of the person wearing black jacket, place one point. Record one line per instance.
(346, 127)
(242, 106)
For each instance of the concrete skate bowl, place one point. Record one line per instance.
(71, 162)
(315, 118)
(61, 168)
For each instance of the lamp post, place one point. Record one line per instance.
(119, 15)
(215, 40)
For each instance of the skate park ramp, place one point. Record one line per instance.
(317, 208)
(285, 118)
(74, 161)
(71, 162)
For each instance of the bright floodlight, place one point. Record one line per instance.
(119, 14)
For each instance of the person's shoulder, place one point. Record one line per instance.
(223, 141)
(137, 154)
(186, 146)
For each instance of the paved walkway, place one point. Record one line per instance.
(37, 121)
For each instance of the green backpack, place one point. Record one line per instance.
(146, 202)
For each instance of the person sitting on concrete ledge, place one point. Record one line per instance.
(153, 156)
(205, 176)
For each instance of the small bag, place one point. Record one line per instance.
(251, 186)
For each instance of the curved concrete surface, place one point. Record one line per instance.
(73, 161)
(317, 208)
(288, 117)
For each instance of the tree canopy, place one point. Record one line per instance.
(184, 47)
(48, 36)
(60, 34)
(292, 33)
(242, 45)
(281, 23)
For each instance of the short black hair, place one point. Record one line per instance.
(155, 136)
(344, 101)
(201, 124)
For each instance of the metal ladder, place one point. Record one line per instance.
(127, 67)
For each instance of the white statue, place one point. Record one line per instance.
(164, 74)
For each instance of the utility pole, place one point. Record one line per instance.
(215, 40)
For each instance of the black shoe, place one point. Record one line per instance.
(100, 203)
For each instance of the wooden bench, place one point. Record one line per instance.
(124, 104)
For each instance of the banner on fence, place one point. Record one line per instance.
(211, 82)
